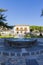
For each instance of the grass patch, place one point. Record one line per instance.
(26, 36)
(33, 36)
(6, 36)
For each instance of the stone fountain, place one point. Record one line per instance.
(20, 35)
(20, 41)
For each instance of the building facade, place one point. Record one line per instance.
(21, 29)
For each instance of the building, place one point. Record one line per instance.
(21, 29)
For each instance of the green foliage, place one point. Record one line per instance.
(40, 28)
(9, 34)
(42, 13)
(27, 36)
(6, 36)
(2, 17)
(0, 34)
(2, 10)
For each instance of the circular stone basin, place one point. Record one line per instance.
(20, 42)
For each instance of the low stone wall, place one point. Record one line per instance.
(15, 54)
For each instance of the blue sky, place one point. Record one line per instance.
(23, 11)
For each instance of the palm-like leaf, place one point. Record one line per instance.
(42, 13)
(2, 10)
(2, 17)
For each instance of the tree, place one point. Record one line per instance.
(2, 17)
(42, 13)
(40, 26)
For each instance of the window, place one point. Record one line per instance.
(17, 32)
(25, 29)
(17, 29)
(21, 29)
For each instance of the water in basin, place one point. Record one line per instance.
(21, 39)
